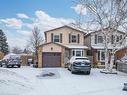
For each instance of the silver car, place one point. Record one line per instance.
(81, 64)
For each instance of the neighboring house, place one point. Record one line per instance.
(1, 55)
(25, 58)
(122, 52)
(60, 45)
(95, 41)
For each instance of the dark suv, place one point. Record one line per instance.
(13, 63)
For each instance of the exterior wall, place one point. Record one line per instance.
(40, 57)
(94, 51)
(62, 57)
(65, 35)
(87, 40)
(1, 55)
(25, 58)
(50, 48)
(119, 54)
(101, 44)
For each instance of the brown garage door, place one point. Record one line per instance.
(51, 59)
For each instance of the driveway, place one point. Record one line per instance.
(65, 83)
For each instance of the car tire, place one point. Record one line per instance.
(19, 66)
(72, 71)
(7, 66)
(88, 72)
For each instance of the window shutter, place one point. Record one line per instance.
(120, 37)
(112, 39)
(52, 37)
(78, 38)
(60, 37)
(69, 38)
(95, 39)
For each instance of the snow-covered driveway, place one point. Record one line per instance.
(64, 83)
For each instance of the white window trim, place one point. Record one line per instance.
(81, 50)
(100, 56)
(71, 38)
(54, 37)
(98, 39)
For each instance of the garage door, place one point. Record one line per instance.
(51, 59)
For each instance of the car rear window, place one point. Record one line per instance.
(81, 59)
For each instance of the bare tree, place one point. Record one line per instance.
(17, 50)
(27, 49)
(109, 16)
(35, 40)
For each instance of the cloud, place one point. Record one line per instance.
(45, 22)
(80, 9)
(21, 15)
(24, 32)
(19, 31)
(12, 22)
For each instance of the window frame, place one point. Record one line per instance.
(100, 40)
(57, 38)
(99, 55)
(72, 38)
(74, 52)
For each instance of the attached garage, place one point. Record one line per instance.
(51, 55)
(51, 59)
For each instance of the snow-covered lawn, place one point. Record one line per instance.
(25, 81)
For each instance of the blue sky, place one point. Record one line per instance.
(57, 8)
(18, 17)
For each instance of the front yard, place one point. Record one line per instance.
(26, 81)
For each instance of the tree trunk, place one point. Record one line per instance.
(111, 62)
(106, 60)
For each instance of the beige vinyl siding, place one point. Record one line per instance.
(65, 35)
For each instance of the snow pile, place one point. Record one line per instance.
(11, 83)
(49, 73)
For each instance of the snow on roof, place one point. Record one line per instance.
(76, 46)
(102, 47)
(11, 55)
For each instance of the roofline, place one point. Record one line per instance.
(51, 43)
(64, 26)
(104, 29)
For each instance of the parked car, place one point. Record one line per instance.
(13, 63)
(0, 63)
(81, 64)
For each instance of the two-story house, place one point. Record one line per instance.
(95, 40)
(60, 45)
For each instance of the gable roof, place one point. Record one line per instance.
(67, 26)
(106, 29)
(100, 31)
(52, 43)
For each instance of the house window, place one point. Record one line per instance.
(73, 38)
(56, 38)
(101, 55)
(77, 53)
(100, 39)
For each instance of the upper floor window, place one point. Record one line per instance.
(56, 38)
(98, 39)
(116, 38)
(73, 38)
